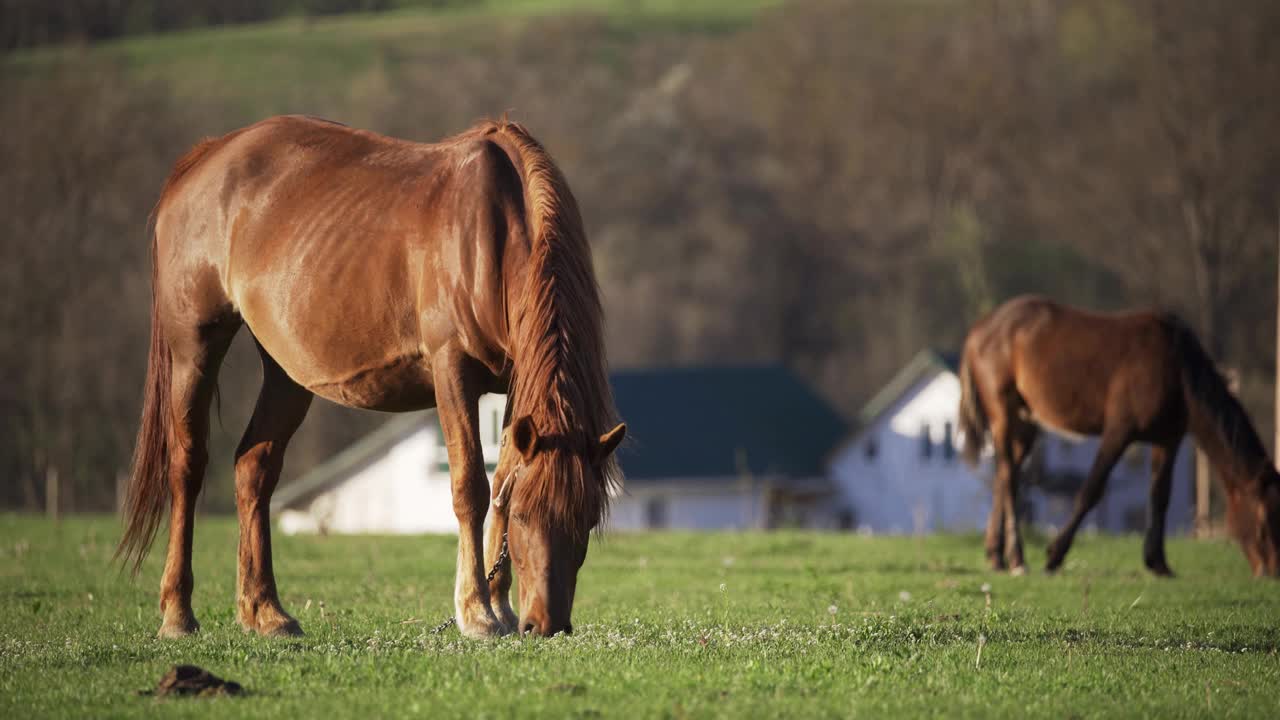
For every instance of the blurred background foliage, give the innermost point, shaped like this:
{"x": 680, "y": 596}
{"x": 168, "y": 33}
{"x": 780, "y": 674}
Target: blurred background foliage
{"x": 829, "y": 185}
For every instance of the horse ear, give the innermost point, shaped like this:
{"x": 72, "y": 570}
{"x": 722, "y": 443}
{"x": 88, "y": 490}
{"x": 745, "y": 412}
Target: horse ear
{"x": 525, "y": 436}
{"x": 609, "y": 441}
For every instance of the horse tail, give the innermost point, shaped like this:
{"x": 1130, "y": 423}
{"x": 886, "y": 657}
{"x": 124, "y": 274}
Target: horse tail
{"x": 148, "y": 492}
{"x": 973, "y": 418}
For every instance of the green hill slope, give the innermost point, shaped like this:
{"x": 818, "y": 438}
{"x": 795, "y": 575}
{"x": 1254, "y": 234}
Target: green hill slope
{"x": 274, "y": 66}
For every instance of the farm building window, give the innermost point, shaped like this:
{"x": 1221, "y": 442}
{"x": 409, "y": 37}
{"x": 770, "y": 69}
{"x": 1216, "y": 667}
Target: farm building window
{"x": 926, "y": 442}
{"x": 655, "y": 513}
{"x": 948, "y": 441}
{"x": 845, "y": 519}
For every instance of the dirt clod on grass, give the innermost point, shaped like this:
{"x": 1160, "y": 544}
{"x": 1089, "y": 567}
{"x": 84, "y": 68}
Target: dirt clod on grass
{"x": 193, "y": 681}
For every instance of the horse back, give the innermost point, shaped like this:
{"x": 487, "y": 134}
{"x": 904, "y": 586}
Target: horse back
{"x": 1078, "y": 371}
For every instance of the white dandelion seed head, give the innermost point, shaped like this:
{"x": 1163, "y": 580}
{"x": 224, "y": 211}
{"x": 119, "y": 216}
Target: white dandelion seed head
{"x": 723, "y": 587}
{"x": 986, "y": 587}
{"x": 904, "y": 596}
{"x": 832, "y": 610}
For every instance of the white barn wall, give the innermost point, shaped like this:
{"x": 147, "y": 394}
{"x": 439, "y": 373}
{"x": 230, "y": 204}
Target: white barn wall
{"x": 406, "y": 489}
{"x": 400, "y": 492}
{"x": 692, "y": 505}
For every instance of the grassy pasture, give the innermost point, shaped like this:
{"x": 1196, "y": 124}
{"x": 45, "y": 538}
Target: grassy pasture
{"x": 298, "y": 64}
{"x": 669, "y": 625}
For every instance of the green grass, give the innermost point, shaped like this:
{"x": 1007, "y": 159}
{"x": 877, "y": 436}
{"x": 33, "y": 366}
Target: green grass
{"x": 297, "y": 64}
{"x": 669, "y": 624}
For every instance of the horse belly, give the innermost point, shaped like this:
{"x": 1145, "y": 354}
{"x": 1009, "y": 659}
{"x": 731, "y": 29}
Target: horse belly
{"x": 403, "y": 385}
{"x": 1076, "y": 431}
{"x": 1070, "y": 408}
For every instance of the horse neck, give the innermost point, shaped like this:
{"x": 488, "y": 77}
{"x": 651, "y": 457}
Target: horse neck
{"x": 1226, "y": 436}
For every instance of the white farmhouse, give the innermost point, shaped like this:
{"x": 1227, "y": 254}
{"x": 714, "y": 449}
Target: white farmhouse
{"x": 902, "y": 471}
{"x": 394, "y": 480}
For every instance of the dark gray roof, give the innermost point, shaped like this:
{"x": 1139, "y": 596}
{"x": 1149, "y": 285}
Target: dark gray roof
{"x": 722, "y": 421}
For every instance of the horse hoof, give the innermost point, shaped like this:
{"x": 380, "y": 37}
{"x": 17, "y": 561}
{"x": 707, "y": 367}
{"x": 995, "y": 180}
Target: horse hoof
{"x": 289, "y": 628}
{"x": 175, "y": 629}
{"x": 1052, "y": 565}
{"x": 1161, "y": 571}
{"x": 1018, "y": 570}
{"x": 509, "y": 622}
{"x": 484, "y": 629}
{"x": 280, "y": 626}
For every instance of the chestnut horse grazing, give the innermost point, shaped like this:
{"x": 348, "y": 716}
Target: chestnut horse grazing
{"x": 1127, "y": 377}
{"x": 388, "y": 275}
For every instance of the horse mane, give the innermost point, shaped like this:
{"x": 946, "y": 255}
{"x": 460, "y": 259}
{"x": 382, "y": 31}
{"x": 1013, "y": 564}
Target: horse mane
{"x": 560, "y": 379}
{"x": 1216, "y": 417}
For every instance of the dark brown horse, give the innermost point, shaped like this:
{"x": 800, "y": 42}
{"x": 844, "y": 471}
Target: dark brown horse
{"x": 1127, "y": 377}
{"x": 388, "y": 275}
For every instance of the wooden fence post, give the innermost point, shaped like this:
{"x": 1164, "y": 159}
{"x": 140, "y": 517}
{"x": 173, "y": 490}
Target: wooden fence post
{"x": 1203, "y": 522}
{"x": 51, "y": 492}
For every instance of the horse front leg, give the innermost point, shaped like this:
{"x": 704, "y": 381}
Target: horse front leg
{"x": 504, "y": 477}
{"x": 1109, "y": 451}
{"x": 1163, "y": 458}
{"x": 458, "y": 392}
{"x": 500, "y": 583}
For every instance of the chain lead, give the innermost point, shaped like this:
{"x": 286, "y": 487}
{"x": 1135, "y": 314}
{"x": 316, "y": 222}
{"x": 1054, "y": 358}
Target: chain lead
{"x": 497, "y": 565}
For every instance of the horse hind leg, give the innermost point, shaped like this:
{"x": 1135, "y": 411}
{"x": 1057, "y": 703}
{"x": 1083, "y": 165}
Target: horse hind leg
{"x": 994, "y": 542}
{"x": 1022, "y": 437}
{"x": 998, "y": 426}
{"x": 197, "y": 356}
{"x": 282, "y": 405}
{"x": 1012, "y": 439}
